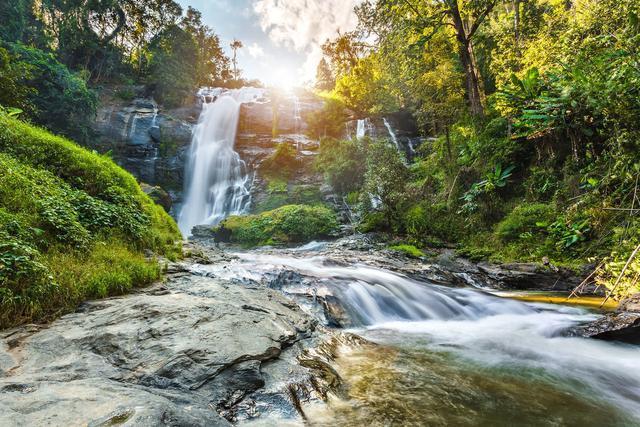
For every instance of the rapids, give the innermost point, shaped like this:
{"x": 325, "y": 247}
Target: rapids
{"x": 496, "y": 346}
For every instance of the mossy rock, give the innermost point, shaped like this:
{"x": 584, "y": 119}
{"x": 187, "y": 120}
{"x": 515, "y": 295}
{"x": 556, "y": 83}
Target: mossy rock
{"x": 285, "y": 225}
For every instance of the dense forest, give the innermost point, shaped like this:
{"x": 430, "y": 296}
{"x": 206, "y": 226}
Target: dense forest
{"x": 534, "y": 106}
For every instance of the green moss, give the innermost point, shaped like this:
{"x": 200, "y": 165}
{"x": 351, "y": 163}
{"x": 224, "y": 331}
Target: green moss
{"x": 279, "y": 194}
{"x": 73, "y": 226}
{"x": 408, "y": 250}
{"x": 287, "y": 224}
{"x": 282, "y": 164}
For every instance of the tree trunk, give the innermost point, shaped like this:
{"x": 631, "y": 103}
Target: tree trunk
{"x": 474, "y": 95}
{"x": 516, "y": 25}
{"x": 448, "y": 141}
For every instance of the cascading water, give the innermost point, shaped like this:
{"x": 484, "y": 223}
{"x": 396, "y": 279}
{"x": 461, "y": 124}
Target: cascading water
{"x": 392, "y": 135}
{"x": 364, "y": 127}
{"x": 361, "y": 129}
{"x": 216, "y": 178}
{"x": 468, "y": 349}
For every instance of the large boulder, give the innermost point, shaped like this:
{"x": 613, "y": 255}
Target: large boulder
{"x": 183, "y": 354}
{"x": 158, "y": 195}
{"x": 622, "y": 325}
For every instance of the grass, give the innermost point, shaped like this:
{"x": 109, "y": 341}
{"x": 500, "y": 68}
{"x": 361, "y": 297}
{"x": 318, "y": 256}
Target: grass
{"x": 73, "y": 226}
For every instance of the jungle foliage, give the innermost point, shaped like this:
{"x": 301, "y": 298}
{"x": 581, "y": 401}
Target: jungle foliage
{"x": 533, "y": 108}
{"x": 73, "y": 226}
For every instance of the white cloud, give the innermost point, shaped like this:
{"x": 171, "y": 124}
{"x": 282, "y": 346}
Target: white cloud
{"x": 255, "y": 50}
{"x": 304, "y": 25}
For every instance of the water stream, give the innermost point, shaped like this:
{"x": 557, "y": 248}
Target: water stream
{"x": 456, "y": 356}
{"x": 216, "y": 181}
{"x": 392, "y": 134}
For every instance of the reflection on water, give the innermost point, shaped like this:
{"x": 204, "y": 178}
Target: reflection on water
{"x": 414, "y": 387}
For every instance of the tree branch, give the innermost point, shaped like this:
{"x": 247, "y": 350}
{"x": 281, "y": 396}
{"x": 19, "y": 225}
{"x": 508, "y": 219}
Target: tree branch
{"x": 480, "y": 18}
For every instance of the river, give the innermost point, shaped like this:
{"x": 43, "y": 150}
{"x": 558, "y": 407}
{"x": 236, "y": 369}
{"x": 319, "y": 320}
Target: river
{"x": 454, "y": 356}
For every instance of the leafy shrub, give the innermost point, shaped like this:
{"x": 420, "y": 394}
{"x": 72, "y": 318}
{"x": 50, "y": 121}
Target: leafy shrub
{"x": 433, "y": 220}
{"x": 526, "y": 218}
{"x": 568, "y": 233}
{"x": 343, "y": 163}
{"x": 385, "y": 181}
{"x": 373, "y": 221}
{"x": 287, "y": 224}
{"x": 328, "y": 122}
{"x": 73, "y": 225}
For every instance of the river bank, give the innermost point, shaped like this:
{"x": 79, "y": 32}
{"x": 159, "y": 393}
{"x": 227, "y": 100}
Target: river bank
{"x": 255, "y": 336}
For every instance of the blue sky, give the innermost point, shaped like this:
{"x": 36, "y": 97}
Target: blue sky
{"x": 282, "y": 38}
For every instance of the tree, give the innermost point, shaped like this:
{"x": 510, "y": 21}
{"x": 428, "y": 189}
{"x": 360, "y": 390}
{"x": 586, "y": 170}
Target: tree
{"x": 324, "y": 77}
{"x": 212, "y": 65}
{"x": 58, "y": 99}
{"x": 344, "y": 52}
{"x": 172, "y": 76}
{"x": 385, "y": 180}
{"x": 235, "y": 45}
{"x": 429, "y": 18}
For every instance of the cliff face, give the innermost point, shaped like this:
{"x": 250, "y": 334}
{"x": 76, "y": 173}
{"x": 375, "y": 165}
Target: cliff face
{"x": 145, "y": 139}
{"x": 153, "y": 143}
{"x": 262, "y": 127}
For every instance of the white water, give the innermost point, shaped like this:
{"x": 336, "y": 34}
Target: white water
{"x": 391, "y": 133}
{"x": 216, "y": 183}
{"x": 361, "y": 129}
{"x": 364, "y": 127}
{"x": 469, "y": 323}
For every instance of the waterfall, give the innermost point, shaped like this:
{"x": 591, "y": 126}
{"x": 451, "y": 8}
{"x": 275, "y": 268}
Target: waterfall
{"x": 391, "y": 133}
{"x": 216, "y": 183}
{"x": 361, "y": 128}
{"x": 365, "y": 127}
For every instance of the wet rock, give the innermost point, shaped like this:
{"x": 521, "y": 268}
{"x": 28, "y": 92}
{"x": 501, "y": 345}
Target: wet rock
{"x": 151, "y": 358}
{"x": 526, "y": 276}
{"x": 631, "y": 304}
{"x": 622, "y": 325}
{"x": 619, "y": 326}
{"x": 334, "y": 313}
{"x": 148, "y": 142}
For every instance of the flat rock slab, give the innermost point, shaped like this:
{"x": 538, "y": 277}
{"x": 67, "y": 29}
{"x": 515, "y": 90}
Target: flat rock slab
{"x": 174, "y": 354}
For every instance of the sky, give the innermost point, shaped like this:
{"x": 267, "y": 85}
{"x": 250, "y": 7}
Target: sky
{"x": 282, "y": 38}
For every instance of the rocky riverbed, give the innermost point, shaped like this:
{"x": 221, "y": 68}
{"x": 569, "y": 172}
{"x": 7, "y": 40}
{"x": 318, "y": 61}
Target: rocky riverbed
{"x": 183, "y": 352}
{"x": 239, "y": 337}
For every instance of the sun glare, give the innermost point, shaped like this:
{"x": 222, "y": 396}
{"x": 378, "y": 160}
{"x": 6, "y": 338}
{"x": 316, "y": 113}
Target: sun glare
{"x": 282, "y": 78}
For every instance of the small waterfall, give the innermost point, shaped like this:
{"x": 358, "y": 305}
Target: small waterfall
{"x": 391, "y": 133}
{"x": 365, "y": 127}
{"x": 216, "y": 182}
{"x": 361, "y": 128}
{"x": 373, "y": 296}
{"x": 296, "y": 120}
